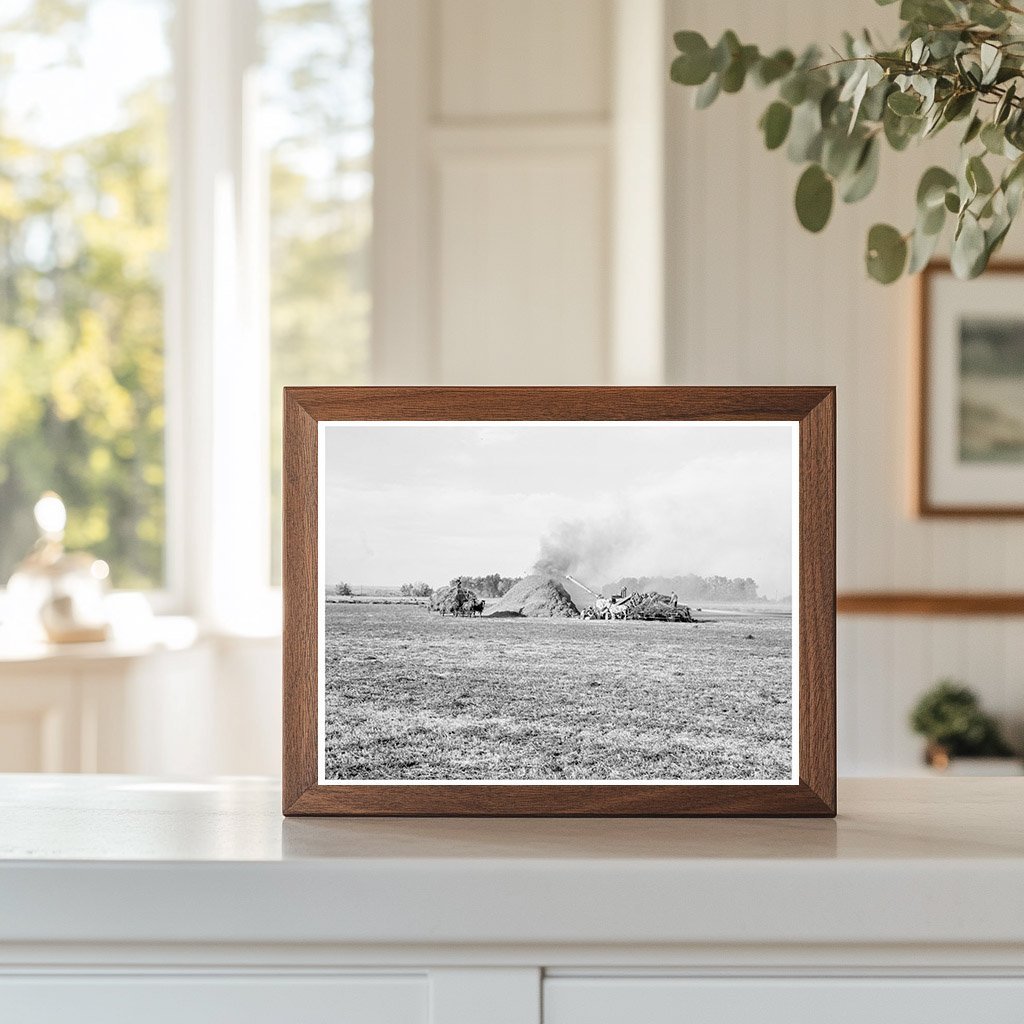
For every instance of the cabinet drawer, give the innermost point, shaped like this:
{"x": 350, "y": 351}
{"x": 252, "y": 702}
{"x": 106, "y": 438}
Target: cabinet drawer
{"x": 782, "y": 1001}
{"x": 202, "y": 999}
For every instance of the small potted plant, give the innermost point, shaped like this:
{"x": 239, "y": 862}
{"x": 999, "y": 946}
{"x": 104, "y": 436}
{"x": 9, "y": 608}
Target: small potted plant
{"x": 950, "y": 718}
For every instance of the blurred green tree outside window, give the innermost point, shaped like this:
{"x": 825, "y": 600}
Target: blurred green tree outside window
{"x": 84, "y": 211}
{"x": 317, "y": 118}
{"x": 83, "y": 237}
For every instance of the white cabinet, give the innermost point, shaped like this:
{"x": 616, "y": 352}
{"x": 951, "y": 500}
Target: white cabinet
{"x": 216, "y": 1000}
{"x": 127, "y": 899}
{"x": 632, "y": 1000}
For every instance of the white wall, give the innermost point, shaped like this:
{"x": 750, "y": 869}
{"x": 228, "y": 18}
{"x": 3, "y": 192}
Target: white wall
{"x": 754, "y": 299}
{"x": 511, "y": 145}
{"x": 501, "y": 137}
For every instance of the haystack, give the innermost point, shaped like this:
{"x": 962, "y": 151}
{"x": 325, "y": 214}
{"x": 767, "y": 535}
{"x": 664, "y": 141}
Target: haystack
{"x": 452, "y": 600}
{"x": 536, "y": 597}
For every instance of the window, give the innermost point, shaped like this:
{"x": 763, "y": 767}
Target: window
{"x": 185, "y": 222}
{"x": 83, "y": 235}
{"x": 317, "y": 87}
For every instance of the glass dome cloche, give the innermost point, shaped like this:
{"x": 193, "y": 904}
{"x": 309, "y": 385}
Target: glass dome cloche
{"x": 57, "y": 595}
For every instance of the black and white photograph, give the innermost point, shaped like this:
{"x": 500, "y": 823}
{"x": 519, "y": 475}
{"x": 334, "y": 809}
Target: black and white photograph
{"x": 558, "y": 602}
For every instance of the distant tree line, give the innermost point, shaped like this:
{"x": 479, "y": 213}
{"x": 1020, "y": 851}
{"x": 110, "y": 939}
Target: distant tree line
{"x": 690, "y": 587}
{"x": 494, "y": 585}
{"x": 416, "y": 590}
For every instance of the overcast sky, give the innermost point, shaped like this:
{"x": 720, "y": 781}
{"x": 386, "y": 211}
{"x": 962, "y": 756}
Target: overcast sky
{"x": 430, "y": 501}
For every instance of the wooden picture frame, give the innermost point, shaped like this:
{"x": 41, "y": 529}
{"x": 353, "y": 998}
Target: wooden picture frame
{"x": 810, "y": 791}
{"x": 939, "y": 490}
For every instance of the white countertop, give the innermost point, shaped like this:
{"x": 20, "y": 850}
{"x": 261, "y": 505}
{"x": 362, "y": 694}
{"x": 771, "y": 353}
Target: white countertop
{"x": 121, "y": 859}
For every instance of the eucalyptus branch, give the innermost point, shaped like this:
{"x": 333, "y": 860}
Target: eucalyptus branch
{"x": 954, "y": 58}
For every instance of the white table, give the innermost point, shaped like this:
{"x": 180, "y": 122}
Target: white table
{"x": 143, "y": 899}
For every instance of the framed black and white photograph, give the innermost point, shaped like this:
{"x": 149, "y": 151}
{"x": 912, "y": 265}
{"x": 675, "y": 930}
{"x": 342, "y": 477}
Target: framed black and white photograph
{"x": 597, "y": 613}
{"x": 971, "y": 393}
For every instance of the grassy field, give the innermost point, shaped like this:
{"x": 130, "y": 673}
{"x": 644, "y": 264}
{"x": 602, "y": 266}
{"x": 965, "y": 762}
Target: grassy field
{"x": 410, "y": 695}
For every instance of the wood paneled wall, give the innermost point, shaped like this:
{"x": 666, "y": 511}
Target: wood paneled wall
{"x": 508, "y": 174}
{"x": 509, "y": 139}
{"x": 752, "y": 298}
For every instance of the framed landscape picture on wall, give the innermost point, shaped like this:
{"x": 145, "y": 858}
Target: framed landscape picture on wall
{"x": 559, "y": 601}
{"x": 970, "y": 450}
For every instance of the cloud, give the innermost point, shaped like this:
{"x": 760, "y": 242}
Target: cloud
{"x": 618, "y": 501}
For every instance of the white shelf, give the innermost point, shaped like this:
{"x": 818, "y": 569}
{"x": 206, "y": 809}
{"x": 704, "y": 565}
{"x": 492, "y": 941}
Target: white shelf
{"x": 124, "y": 860}
{"x": 162, "y": 633}
{"x": 130, "y": 898}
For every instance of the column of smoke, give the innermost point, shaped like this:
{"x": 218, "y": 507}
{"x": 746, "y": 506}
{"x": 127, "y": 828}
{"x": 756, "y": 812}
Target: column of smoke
{"x": 591, "y": 550}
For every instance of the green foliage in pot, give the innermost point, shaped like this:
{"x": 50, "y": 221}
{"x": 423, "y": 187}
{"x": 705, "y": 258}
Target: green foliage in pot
{"x": 950, "y": 717}
{"x": 957, "y": 62}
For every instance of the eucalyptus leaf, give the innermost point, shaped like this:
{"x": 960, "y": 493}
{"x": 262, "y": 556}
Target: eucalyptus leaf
{"x": 931, "y": 190}
{"x": 991, "y": 60}
{"x": 724, "y": 51}
{"x": 689, "y": 42}
{"x": 932, "y": 122}
{"x": 805, "y": 133}
{"x": 944, "y": 44}
{"x": 922, "y": 248}
{"x": 827, "y": 106}
{"x": 900, "y": 130}
{"x": 867, "y": 74}
{"x": 865, "y": 173}
{"x": 775, "y": 122}
{"x": 969, "y": 71}
{"x": 873, "y": 106}
{"x": 930, "y": 12}
{"x": 973, "y": 130}
{"x": 968, "y": 248}
{"x": 814, "y": 195}
{"x": 925, "y": 87}
{"x": 707, "y": 93}
{"x": 957, "y": 106}
{"x": 1005, "y": 105}
{"x": 771, "y": 69}
{"x": 993, "y": 138}
{"x": 904, "y": 103}
{"x": 932, "y": 221}
{"x": 735, "y": 74}
{"x": 1013, "y": 187}
{"x": 987, "y": 15}
{"x": 794, "y": 88}
{"x": 995, "y": 233}
{"x": 978, "y": 176}
{"x": 966, "y": 187}
{"x": 1014, "y": 192}
{"x": 691, "y": 70}
{"x": 886, "y": 253}
{"x": 840, "y": 152}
